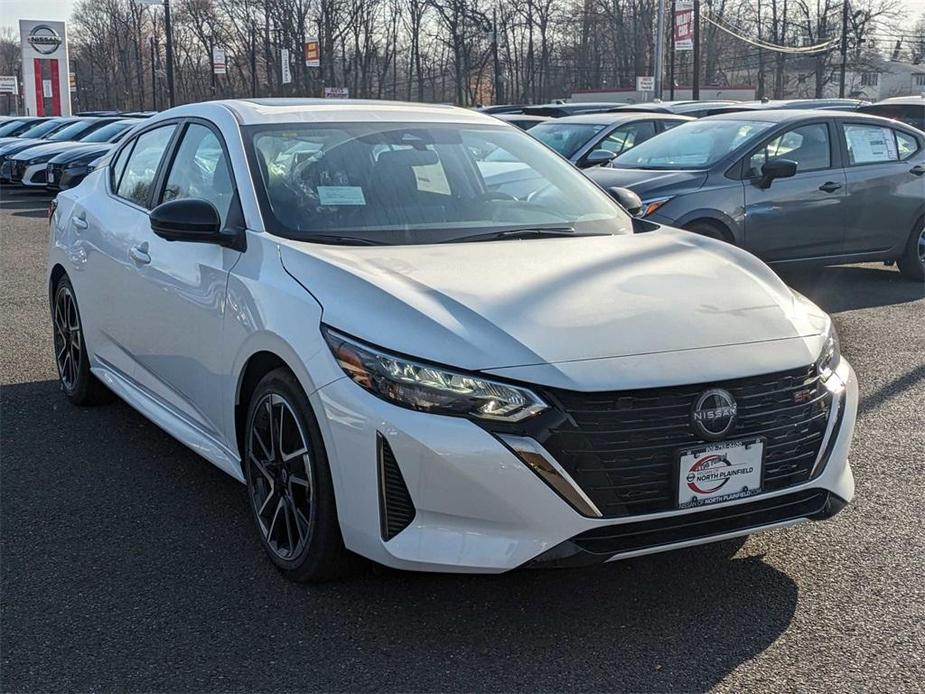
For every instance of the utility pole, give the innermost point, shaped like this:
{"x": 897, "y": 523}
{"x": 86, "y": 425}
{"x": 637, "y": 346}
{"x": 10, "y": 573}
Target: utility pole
{"x": 659, "y": 47}
{"x": 153, "y": 43}
{"x": 169, "y": 48}
{"x": 695, "y": 85}
{"x": 674, "y": 9}
{"x": 844, "y": 49}
{"x": 494, "y": 51}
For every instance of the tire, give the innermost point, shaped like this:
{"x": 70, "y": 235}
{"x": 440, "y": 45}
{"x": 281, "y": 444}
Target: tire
{"x": 289, "y": 483}
{"x": 71, "y": 358}
{"x": 912, "y": 262}
{"x": 707, "y": 229}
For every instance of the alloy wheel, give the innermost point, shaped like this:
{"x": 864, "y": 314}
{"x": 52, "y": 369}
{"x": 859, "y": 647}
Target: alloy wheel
{"x": 68, "y": 352}
{"x": 280, "y": 472}
{"x": 922, "y": 245}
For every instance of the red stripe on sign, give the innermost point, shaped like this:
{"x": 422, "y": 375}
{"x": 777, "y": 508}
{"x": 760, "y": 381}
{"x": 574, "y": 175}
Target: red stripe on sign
{"x": 39, "y": 92}
{"x": 55, "y": 89}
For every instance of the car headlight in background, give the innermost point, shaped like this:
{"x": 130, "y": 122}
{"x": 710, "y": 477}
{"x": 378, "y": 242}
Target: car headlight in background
{"x": 650, "y": 206}
{"x": 430, "y": 388}
{"x": 41, "y": 159}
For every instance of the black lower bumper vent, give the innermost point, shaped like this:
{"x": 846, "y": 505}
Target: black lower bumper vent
{"x": 396, "y": 510}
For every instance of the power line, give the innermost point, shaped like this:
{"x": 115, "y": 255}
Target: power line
{"x": 789, "y": 50}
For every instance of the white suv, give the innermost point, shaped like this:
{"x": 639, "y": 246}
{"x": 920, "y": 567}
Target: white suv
{"x": 436, "y": 358}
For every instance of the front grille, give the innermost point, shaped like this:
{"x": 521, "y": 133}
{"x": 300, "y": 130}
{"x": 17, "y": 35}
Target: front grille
{"x": 622, "y": 448}
{"x": 396, "y": 510}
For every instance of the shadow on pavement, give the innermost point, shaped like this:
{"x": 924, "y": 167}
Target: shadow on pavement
{"x": 851, "y": 287}
{"x": 131, "y": 564}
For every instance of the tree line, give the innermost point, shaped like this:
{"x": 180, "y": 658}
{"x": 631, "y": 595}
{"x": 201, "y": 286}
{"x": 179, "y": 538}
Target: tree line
{"x": 455, "y": 51}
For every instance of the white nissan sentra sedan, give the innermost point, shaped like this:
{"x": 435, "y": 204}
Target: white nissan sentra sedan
{"x": 340, "y": 305}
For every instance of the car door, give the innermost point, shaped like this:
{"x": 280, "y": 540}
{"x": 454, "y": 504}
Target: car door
{"x": 802, "y": 216}
{"x": 105, "y": 224}
{"x": 178, "y": 287}
{"x": 885, "y": 189}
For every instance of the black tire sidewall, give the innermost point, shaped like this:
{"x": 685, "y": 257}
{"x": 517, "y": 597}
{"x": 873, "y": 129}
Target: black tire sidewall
{"x": 910, "y": 264}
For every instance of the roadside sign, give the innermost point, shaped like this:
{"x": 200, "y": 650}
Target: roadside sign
{"x": 336, "y": 93}
{"x": 285, "y": 69}
{"x": 219, "y": 61}
{"x": 645, "y": 83}
{"x": 312, "y": 53}
{"x": 47, "y": 90}
{"x": 684, "y": 25}
{"x": 72, "y": 81}
{"x": 9, "y": 84}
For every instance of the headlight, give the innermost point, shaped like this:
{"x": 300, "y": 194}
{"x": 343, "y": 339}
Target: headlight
{"x": 430, "y": 388}
{"x": 41, "y": 159}
{"x": 830, "y": 356}
{"x": 650, "y": 206}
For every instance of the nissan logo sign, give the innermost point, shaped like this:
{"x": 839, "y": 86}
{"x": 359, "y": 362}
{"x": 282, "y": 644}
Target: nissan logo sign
{"x": 44, "y": 39}
{"x": 714, "y": 414}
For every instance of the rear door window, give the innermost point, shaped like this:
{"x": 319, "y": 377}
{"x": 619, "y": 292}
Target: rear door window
{"x": 870, "y": 144}
{"x": 906, "y": 145}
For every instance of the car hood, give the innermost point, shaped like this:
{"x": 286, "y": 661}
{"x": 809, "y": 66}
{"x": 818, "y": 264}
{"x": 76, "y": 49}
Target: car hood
{"x": 81, "y": 151}
{"x": 499, "y": 304}
{"x": 19, "y": 144}
{"x": 647, "y": 183}
{"x": 42, "y": 147}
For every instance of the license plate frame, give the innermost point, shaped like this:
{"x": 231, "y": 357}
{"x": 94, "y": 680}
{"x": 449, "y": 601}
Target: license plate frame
{"x": 713, "y": 459}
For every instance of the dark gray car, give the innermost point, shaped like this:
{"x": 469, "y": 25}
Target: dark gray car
{"x": 790, "y": 186}
{"x": 594, "y": 139}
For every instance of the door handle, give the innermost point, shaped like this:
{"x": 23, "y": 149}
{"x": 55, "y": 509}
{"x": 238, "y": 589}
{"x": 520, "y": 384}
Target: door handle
{"x": 140, "y": 254}
{"x": 917, "y": 170}
{"x": 79, "y": 222}
{"x": 830, "y": 187}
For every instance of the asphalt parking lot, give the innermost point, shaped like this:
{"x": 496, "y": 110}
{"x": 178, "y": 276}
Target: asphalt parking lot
{"x": 129, "y": 564}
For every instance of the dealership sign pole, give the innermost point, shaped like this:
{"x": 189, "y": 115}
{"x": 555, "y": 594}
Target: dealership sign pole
{"x": 46, "y": 82}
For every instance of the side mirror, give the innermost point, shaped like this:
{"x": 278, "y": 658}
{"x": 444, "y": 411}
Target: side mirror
{"x": 596, "y": 157}
{"x": 776, "y": 168}
{"x": 630, "y": 202}
{"x": 191, "y": 219}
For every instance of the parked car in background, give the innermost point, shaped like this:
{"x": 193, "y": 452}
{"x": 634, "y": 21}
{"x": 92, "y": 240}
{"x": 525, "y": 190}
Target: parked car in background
{"x": 34, "y": 129}
{"x": 790, "y": 104}
{"x": 68, "y": 168}
{"x": 496, "y": 109}
{"x": 521, "y": 120}
{"x": 908, "y": 109}
{"x": 29, "y": 167}
{"x": 594, "y": 139}
{"x": 76, "y": 131}
{"x": 789, "y": 186}
{"x": 336, "y": 308}
{"x": 569, "y": 108}
{"x": 13, "y": 127}
{"x": 694, "y": 109}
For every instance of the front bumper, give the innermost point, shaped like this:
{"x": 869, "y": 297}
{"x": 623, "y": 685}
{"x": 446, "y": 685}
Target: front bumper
{"x": 479, "y": 508}
{"x": 33, "y": 176}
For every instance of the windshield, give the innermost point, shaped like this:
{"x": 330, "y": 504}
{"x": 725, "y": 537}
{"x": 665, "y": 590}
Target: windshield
{"x": 565, "y": 138}
{"x": 72, "y": 132}
{"x": 413, "y": 183}
{"x": 43, "y": 128}
{"x": 10, "y": 127}
{"x": 694, "y": 145}
{"x": 108, "y": 132}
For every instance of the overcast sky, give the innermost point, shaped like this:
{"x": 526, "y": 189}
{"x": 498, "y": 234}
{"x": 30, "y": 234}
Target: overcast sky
{"x": 11, "y": 11}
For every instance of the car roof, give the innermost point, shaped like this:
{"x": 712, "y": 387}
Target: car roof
{"x": 260, "y": 111}
{"x": 787, "y": 115}
{"x": 620, "y": 117}
{"x": 902, "y": 101}
{"x": 521, "y": 117}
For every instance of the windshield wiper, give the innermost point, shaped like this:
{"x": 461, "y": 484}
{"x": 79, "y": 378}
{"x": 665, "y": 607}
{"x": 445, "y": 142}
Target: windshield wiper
{"x": 342, "y": 240}
{"x": 524, "y": 233}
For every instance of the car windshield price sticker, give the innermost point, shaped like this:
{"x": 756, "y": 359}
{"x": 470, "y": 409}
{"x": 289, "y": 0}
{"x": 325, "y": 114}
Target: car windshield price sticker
{"x": 719, "y": 472}
{"x": 341, "y": 195}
